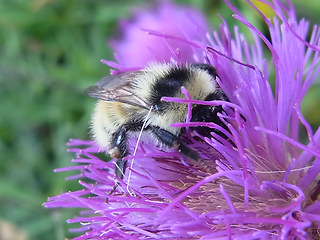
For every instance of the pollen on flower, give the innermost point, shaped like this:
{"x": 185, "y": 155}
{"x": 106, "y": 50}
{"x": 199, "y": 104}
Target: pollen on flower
{"x": 254, "y": 179}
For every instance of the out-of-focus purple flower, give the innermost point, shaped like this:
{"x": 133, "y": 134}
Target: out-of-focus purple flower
{"x": 262, "y": 183}
{"x": 139, "y": 41}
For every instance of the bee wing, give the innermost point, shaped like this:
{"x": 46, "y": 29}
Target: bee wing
{"x": 119, "y": 88}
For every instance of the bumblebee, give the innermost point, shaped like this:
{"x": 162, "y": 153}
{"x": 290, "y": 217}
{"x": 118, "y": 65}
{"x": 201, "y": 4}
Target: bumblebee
{"x": 126, "y": 99}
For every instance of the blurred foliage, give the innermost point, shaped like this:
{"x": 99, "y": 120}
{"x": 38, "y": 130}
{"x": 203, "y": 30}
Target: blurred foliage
{"x": 50, "y": 52}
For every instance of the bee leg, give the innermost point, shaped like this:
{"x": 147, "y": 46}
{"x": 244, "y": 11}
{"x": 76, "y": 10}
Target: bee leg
{"x": 119, "y": 144}
{"x": 120, "y": 149}
{"x": 173, "y": 141}
{"x": 119, "y": 169}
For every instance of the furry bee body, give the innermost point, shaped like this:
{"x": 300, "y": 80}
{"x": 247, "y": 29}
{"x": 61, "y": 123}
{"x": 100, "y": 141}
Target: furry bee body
{"x": 125, "y": 101}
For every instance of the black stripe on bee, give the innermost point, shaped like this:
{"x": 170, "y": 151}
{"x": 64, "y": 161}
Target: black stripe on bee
{"x": 168, "y": 86}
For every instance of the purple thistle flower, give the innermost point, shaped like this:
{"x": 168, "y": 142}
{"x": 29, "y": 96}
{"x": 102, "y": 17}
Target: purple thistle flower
{"x": 262, "y": 183}
{"x": 140, "y": 42}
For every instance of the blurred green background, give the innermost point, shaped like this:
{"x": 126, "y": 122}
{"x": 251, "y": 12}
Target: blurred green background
{"x": 50, "y": 52}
